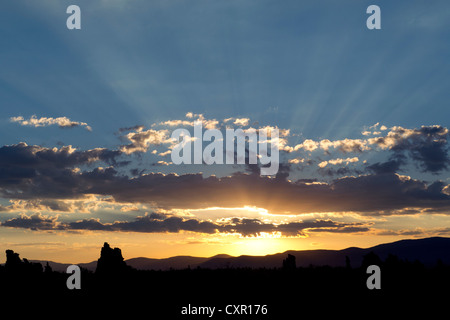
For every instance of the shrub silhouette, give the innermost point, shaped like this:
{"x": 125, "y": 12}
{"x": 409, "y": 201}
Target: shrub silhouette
{"x": 371, "y": 259}
{"x": 289, "y": 263}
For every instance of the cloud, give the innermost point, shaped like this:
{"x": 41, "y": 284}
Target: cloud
{"x": 140, "y": 140}
{"x": 390, "y": 166}
{"x": 41, "y": 205}
{"x": 243, "y": 122}
{"x": 308, "y": 145}
{"x": 345, "y": 145}
{"x": 33, "y": 222}
{"x": 35, "y": 157}
{"x": 296, "y": 160}
{"x": 338, "y": 172}
{"x": 416, "y": 232}
{"x": 251, "y": 227}
{"x": 426, "y": 146}
{"x": 206, "y": 123}
{"x": 34, "y": 171}
{"x": 374, "y": 130}
{"x": 368, "y": 194}
{"x": 162, "y": 163}
{"x": 85, "y": 205}
{"x": 337, "y": 161}
{"x": 177, "y": 123}
{"x": 137, "y": 128}
{"x": 160, "y": 223}
{"x": 62, "y": 122}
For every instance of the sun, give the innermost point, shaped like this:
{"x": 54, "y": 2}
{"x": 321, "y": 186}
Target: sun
{"x": 263, "y": 244}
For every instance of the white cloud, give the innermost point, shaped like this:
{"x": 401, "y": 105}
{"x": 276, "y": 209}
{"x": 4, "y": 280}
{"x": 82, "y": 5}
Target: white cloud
{"x": 141, "y": 140}
{"x": 296, "y": 160}
{"x": 308, "y": 145}
{"x": 238, "y": 121}
{"x": 337, "y": 161}
{"x": 62, "y": 122}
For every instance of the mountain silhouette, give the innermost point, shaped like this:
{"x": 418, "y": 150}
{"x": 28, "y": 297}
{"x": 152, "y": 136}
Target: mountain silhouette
{"x": 288, "y": 283}
{"x": 428, "y": 251}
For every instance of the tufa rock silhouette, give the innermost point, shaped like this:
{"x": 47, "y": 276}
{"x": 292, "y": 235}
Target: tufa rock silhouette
{"x": 110, "y": 261}
{"x": 13, "y": 261}
{"x": 16, "y": 265}
{"x": 289, "y": 263}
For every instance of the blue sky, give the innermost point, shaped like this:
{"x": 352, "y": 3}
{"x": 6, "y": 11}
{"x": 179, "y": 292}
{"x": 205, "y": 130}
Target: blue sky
{"x": 313, "y": 68}
{"x": 310, "y": 67}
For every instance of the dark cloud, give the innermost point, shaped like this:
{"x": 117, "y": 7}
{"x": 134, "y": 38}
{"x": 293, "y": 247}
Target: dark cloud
{"x": 367, "y": 194}
{"x": 333, "y": 172}
{"x": 34, "y": 222}
{"x": 22, "y": 156}
{"x": 248, "y": 227}
{"x": 158, "y": 223}
{"x": 133, "y": 128}
{"x": 428, "y": 145}
{"x": 251, "y": 227}
{"x": 40, "y": 204}
{"x": 370, "y": 194}
{"x": 88, "y": 224}
{"x": 417, "y": 232}
{"x": 390, "y": 166}
{"x": 153, "y": 223}
{"x": 33, "y": 171}
{"x": 321, "y": 226}
{"x": 55, "y": 205}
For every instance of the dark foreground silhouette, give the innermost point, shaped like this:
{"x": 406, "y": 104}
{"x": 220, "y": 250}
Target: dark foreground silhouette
{"x": 288, "y": 291}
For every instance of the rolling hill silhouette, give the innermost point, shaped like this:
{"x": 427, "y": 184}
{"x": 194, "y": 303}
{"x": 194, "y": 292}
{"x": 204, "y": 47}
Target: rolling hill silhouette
{"x": 428, "y": 251}
{"x": 288, "y": 283}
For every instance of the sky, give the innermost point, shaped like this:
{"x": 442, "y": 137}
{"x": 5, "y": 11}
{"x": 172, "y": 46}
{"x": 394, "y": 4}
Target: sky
{"x": 86, "y": 118}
